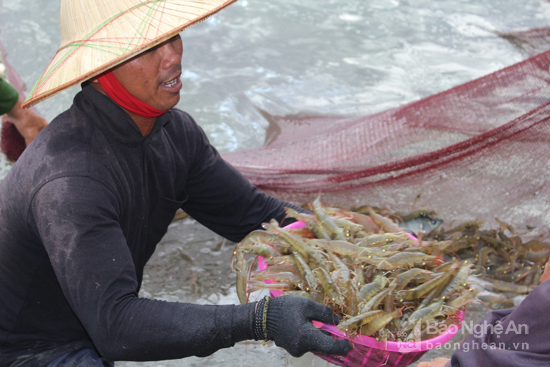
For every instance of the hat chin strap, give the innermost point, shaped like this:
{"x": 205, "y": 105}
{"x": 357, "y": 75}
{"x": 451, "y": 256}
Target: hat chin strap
{"x": 123, "y": 98}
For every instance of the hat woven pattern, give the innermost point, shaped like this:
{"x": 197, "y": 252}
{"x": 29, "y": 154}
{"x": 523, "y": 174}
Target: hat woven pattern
{"x": 97, "y": 35}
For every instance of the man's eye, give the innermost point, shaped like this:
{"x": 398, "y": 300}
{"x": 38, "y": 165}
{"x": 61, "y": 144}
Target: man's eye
{"x": 153, "y": 48}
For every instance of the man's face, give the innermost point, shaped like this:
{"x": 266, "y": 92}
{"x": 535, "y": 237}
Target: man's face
{"x": 154, "y": 76}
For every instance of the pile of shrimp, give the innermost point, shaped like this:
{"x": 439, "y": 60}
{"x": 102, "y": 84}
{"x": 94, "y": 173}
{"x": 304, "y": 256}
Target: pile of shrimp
{"x": 503, "y": 260}
{"x": 506, "y": 262}
{"x": 381, "y": 281}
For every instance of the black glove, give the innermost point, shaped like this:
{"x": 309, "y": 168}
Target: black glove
{"x": 288, "y": 323}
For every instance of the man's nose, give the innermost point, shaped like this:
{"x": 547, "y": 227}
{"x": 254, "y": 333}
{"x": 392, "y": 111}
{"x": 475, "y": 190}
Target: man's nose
{"x": 171, "y": 53}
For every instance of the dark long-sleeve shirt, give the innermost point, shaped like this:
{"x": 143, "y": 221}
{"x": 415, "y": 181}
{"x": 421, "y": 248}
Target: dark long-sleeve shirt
{"x": 81, "y": 213}
{"x": 510, "y": 338}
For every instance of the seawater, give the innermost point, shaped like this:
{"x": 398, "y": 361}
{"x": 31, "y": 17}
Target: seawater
{"x": 318, "y": 57}
{"x": 328, "y": 57}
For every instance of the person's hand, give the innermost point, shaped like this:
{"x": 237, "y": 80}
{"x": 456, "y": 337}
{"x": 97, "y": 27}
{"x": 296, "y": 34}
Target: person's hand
{"x": 289, "y": 326}
{"x": 26, "y": 121}
{"x": 438, "y": 362}
{"x": 546, "y": 274}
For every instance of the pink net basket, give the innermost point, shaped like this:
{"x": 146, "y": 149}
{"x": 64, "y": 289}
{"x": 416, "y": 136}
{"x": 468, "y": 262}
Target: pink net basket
{"x": 368, "y": 351}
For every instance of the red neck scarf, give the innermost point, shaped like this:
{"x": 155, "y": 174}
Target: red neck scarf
{"x": 123, "y": 98}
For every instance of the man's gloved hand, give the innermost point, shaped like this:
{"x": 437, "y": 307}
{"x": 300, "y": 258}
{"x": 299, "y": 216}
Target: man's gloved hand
{"x": 288, "y": 324}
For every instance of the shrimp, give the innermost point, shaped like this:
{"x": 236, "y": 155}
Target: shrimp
{"x": 241, "y": 269}
{"x": 460, "y": 302}
{"x": 326, "y": 221}
{"x": 369, "y": 290}
{"x": 495, "y": 301}
{"x": 536, "y": 245}
{"x": 483, "y": 255}
{"x": 537, "y": 256}
{"x": 401, "y": 280}
{"x": 261, "y": 249}
{"x": 495, "y": 242}
{"x": 386, "y": 224}
{"x": 347, "y": 249}
{"x": 279, "y": 260}
{"x": 262, "y": 237}
{"x": 358, "y": 320}
{"x": 422, "y": 315}
{"x": 341, "y": 274}
{"x": 425, "y": 288}
{"x": 458, "y": 280}
{"x": 509, "y": 287}
{"x": 310, "y": 221}
{"x": 305, "y": 271}
{"x": 368, "y": 224}
{"x": 278, "y": 268}
{"x": 295, "y": 242}
{"x": 505, "y": 226}
{"x": 374, "y": 301}
{"x": 331, "y": 289}
{"x": 379, "y": 322}
{"x": 380, "y": 239}
{"x": 347, "y": 225}
{"x": 404, "y": 258}
{"x": 283, "y": 277}
{"x": 431, "y": 247}
{"x": 343, "y": 248}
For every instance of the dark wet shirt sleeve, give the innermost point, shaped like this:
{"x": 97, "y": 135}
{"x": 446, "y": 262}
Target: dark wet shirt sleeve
{"x": 77, "y": 220}
{"x": 222, "y": 199}
{"x": 513, "y": 337}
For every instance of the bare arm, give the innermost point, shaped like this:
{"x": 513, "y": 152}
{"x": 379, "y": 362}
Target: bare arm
{"x": 27, "y": 121}
{"x": 438, "y": 362}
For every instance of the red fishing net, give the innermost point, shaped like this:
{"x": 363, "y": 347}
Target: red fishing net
{"x": 477, "y": 151}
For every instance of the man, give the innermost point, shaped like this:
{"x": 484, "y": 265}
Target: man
{"x": 85, "y": 205}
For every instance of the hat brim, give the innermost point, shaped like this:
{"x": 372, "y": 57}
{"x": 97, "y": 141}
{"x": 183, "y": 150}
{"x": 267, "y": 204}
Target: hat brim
{"x": 117, "y": 39}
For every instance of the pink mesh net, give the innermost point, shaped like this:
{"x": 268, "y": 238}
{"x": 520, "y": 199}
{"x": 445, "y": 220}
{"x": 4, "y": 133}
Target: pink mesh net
{"x": 477, "y": 151}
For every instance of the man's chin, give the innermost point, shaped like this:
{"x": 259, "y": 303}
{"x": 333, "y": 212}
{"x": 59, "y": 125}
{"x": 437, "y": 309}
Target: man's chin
{"x": 167, "y": 103}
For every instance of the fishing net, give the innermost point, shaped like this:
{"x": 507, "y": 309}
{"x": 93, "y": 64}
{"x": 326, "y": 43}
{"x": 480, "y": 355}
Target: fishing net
{"x": 477, "y": 151}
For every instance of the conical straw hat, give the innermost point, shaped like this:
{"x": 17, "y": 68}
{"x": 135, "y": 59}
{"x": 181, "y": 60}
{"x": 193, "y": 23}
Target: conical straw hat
{"x": 97, "y": 35}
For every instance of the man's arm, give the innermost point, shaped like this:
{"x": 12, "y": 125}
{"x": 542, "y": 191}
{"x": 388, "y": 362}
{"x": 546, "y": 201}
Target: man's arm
{"x": 76, "y": 218}
{"x": 222, "y": 199}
